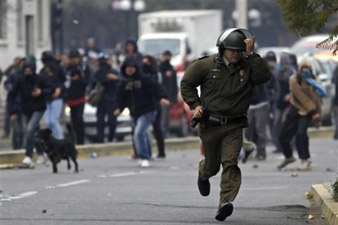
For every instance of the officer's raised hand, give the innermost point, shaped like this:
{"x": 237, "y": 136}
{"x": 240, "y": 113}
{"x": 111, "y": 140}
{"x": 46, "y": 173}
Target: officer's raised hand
{"x": 198, "y": 112}
{"x": 250, "y": 45}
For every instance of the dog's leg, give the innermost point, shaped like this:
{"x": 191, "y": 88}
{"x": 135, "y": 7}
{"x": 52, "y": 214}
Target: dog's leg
{"x": 75, "y": 163}
{"x": 68, "y": 164}
{"x": 55, "y": 169}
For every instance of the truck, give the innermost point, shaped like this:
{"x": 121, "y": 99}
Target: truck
{"x": 186, "y": 33}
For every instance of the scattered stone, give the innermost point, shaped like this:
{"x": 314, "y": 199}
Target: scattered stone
{"x": 44, "y": 211}
{"x": 322, "y": 217}
{"x": 294, "y": 175}
{"x": 309, "y": 195}
{"x": 311, "y": 217}
{"x": 328, "y": 170}
{"x": 255, "y": 166}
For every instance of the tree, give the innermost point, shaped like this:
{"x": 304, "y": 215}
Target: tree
{"x": 308, "y": 16}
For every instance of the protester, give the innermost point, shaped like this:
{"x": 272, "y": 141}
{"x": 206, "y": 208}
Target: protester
{"x": 16, "y": 124}
{"x": 140, "y": 94}
{"x": 131, "y": 50}
{"x": 78, "y": 77}
{"x": 32, "y": 89}
{"x": 305, "y": 106}
{"x": 150, "y": 69}
{"x": 108, "y": 79}
{"x": 169, "y": 82}
{"x": 54, "y": 72}
{"x": 283, "y": 74}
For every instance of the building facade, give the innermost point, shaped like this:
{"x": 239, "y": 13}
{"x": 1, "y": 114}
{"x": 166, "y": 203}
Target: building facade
{"x": 24, "y": 29}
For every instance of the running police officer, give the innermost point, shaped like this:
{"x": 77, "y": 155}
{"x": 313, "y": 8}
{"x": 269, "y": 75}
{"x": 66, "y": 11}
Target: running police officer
{"x": 226, "y": 80}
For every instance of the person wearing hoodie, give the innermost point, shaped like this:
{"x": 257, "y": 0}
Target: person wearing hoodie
{"x": 140, "y": 94}
{"x": 282, "y": 102}
{"x": 33, "y": 90}
{"x": 150, "y": 68}
{"x": 169, "y": 82}
{"x": 305, "y": 106}
{"x": 16, "y": 125}
{"x": 109, "y": 79}
{"x": 131, "y": 50}
{"x": 54, "y": 72}
{"x": 78, "y": 76}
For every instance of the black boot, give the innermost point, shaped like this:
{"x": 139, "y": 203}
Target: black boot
{"x": 224, "y": 210}
{"x": 203, "y": 186}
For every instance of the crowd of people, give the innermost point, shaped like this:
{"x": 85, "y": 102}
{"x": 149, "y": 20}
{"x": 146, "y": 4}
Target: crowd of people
{"x": 147, "y": 86}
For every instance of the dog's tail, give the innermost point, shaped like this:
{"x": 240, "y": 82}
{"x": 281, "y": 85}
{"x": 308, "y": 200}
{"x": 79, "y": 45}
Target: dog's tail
{"x": 70, "y": 133}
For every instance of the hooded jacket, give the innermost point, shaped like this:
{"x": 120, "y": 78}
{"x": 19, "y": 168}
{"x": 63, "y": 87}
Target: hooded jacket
{"x": 110, "y": 86}
{"x": 138, "y": 56}
{"x": 283, "y": 75}
{"x": 23, "y": 87}
{"x": 76, "y": 89}
{"x": 303, "y": 96}
{"x": 57, "y": 78}
{"x": 169, "y": 82}
{"x": 137, "y": 92}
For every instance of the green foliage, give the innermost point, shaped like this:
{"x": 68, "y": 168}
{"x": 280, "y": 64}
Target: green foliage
{"x": 334, "y": 187}
{"x": 308, "y": 16}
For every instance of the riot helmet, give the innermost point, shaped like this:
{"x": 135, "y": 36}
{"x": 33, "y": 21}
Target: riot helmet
{"x": 233, "y": 38}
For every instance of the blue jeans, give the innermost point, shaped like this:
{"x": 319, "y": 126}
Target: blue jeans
{"x": 32, "y": 126}
{"x": 141, "y": 138}
{"x": 52, "y": 117}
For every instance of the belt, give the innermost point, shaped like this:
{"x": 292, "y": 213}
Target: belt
{"x": 224, "y": 119}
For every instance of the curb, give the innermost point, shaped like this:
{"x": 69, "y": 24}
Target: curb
{"x": 323, "y": 199}
{"x": 105, "y": 149}
{"x": 108, "y": 149}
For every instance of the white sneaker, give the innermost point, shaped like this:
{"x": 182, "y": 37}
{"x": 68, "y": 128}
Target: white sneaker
{"x": 145, "y": 163}
{"x": 27, "y": 160}
{"x": 41, "y": 159}
{"x": 139, "y": 162}
{"x": 305, "y": 165}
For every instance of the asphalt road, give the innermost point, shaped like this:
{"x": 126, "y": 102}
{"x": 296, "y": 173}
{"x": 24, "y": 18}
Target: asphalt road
{"x": 113, "y": 190}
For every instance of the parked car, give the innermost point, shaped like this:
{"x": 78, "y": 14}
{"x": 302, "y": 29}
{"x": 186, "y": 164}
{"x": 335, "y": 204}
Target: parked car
{"x": 123, "y": 128}
{"x": 308, "y": 45}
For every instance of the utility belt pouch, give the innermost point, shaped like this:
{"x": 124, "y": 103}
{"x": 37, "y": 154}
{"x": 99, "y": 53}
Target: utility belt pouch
{"x": 214, "y": 120}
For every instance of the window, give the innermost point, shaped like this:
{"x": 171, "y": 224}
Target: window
{"x": 3, "y": 19}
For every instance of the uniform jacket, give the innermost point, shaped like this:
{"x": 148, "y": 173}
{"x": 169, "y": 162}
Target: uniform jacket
{"x": 303, "y": 96}
{"x": 225, "y": 91}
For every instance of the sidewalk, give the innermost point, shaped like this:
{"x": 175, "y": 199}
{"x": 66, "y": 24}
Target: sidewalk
{"x": 323, "y": 199}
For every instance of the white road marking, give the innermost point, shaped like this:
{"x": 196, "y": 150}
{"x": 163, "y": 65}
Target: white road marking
{"x": 123, "y": 174}
{"x": 265, "y": 188}
{"x": 129, "y": 173}
{"x": 73, "y": 183}
{"x": 23, "y": 195}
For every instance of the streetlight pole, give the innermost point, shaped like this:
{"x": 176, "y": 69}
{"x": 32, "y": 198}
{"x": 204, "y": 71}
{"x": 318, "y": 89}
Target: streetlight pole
{"x": 242, "y": 10}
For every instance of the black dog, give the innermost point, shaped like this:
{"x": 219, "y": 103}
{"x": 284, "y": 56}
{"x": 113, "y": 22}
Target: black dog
{"x": 56, "y": 149}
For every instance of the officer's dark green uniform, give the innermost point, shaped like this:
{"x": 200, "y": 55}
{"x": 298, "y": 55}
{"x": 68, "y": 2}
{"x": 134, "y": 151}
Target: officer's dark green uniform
{"x": 226, "y": 94}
